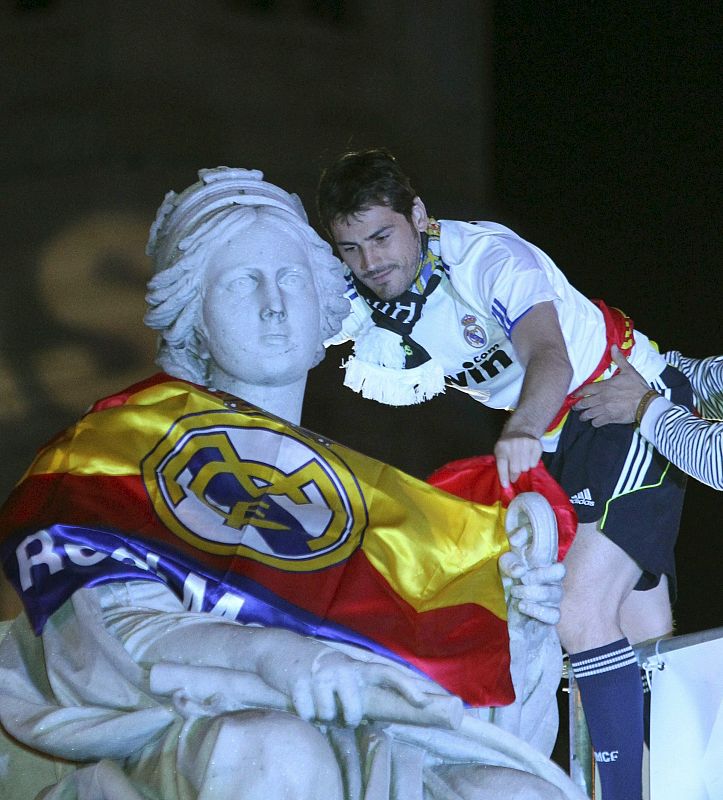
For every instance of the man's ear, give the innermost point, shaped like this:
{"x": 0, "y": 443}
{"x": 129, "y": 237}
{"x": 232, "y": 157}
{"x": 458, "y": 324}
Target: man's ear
{"x": 420, "y": 218}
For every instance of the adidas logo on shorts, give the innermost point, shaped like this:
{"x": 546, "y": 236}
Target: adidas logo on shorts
{"x": 583, "y": 498}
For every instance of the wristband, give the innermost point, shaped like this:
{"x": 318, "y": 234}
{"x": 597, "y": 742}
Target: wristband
{"x": 645, "y": 401}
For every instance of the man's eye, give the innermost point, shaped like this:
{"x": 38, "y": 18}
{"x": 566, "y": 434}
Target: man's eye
{"x": 348, "y": 248}
{"x": 382, "y": 238}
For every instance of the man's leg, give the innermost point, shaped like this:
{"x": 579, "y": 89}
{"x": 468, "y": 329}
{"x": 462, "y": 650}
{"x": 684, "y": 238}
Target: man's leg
{"x": 600, "y": 577}
{"x": 645, "y": 616}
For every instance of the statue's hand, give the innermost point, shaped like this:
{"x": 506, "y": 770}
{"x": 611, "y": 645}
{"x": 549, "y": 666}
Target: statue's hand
{"x": 538, "y": 590}
{"x": 333, "y": 686}
{"x": 338, "y": 685}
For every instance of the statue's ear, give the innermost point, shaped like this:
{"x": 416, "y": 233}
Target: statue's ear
{"x": 202, "y": 344}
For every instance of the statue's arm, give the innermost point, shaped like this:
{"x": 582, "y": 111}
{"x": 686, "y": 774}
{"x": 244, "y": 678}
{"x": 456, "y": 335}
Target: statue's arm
{"x": 533, "y": 580}
{"x": 223, "y": 661}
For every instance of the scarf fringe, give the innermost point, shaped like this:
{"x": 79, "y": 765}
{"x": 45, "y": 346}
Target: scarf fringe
{"x": 380, "y": 346}
{"x": 394, "y": 387}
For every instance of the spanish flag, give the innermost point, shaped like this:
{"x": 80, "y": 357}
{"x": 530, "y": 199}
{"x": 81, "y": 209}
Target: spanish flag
{"x": 246, "y": 516}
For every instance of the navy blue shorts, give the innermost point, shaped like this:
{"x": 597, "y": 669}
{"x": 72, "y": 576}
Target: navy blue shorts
{"x": 613, "y": 475}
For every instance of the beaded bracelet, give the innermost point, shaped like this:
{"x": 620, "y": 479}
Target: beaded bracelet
{"x": 645, "y": 401}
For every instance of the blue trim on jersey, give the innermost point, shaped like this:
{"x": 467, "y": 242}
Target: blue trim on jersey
{"x": 512, "y": 325}
{"x": 499, "y": 312}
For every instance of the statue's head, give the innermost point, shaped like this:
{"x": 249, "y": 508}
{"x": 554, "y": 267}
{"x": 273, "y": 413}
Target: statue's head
{"x": 213, "y": 245}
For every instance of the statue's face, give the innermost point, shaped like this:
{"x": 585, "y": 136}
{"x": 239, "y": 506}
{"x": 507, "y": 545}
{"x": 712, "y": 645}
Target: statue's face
{"x": 260, "y": 308}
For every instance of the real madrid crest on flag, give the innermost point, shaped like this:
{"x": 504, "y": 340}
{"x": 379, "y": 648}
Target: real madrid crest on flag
{"x": 232, "y": 483}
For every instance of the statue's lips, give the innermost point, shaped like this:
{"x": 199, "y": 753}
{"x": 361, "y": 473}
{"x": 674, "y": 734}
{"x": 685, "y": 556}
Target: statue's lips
{"x": 276, "y": 340}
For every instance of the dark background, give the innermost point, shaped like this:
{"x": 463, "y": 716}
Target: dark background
{"x": 607, "y": 154}
{"x": 592, "y": 129}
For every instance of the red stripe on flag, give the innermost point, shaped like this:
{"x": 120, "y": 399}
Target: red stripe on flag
{"x": 476, "y": 479}
{"x": 465, "y": 648}
{"x": 119, "y": 399}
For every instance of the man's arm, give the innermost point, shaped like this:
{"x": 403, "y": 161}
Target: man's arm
{"x": 706, "y": 378}
{"x": 540, "y": 346}
{"x": 617, "y": 399}
{"x": 692, "y": 444}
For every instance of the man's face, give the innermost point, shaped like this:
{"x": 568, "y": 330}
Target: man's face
{"x": 260, "y": 313}
{"x": 382, "y": 247}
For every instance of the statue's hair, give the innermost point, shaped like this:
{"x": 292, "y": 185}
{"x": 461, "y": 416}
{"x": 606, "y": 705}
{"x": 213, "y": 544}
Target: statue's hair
{"x": 186, "y": 232}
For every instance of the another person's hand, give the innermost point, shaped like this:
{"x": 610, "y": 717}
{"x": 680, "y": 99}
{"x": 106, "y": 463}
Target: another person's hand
{"x": 516, "y": 453}
{"x": 615, "y": 400}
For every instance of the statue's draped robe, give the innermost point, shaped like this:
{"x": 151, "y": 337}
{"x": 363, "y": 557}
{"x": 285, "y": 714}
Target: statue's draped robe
{"x": 79, "y": 694}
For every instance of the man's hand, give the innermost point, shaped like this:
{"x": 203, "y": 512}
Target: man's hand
{"x": 614, "y": 400}
{"x": 516, "y": 453}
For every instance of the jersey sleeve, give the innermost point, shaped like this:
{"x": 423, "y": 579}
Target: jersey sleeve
{"x": 511, "y": 280}
{"x": 503, "y": 275}
{"x": 694, "y": 445}
{"x": 511, "y": 288}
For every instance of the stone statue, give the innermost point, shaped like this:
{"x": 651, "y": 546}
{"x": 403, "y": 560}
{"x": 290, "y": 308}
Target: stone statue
{"x": 128, "y": 694}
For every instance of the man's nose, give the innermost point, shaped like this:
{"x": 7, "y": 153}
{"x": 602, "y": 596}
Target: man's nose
{"x": 369, "y": 258}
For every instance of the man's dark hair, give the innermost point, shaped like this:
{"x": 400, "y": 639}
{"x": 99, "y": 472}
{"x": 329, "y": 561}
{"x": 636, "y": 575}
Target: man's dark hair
{"x": 360, "y": 179}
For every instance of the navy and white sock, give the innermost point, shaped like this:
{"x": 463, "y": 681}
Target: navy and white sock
{"x": 646, "y": 705}
{"x": 612, "y": 698}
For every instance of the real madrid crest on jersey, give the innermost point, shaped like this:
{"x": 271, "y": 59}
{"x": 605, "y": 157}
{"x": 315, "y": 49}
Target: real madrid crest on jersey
{"x": 245, "y": 484}
{"x": 474, "y": 334}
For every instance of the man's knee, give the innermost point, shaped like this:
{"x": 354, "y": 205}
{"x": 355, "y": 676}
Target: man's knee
{"x": 588, "y": 619}
{"x": 647, "y": 614}
{"x": 599, "y": 577}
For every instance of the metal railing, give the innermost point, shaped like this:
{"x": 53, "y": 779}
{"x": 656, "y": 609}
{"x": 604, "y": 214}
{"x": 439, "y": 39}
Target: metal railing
{"x": 582, "y": 761}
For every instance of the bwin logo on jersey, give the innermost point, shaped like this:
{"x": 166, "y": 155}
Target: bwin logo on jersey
{"x": 237, "y": 485}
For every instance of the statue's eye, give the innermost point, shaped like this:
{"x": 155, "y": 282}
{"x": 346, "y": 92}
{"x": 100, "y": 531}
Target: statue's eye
{"x": 293, "y": 279}
{"x": 241, "y": 284}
